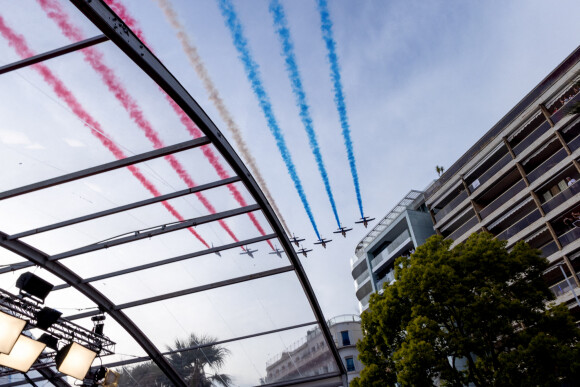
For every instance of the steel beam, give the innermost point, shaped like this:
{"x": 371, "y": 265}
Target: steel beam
{"x": 172, "y": 260}
{"x": 126, "y": 207}
{"x": 184, "y": 292}
{"x": 138, "y": 235}
{"x": 53, "y": 54}
{"x": 106, "y": 167}
{"x": 41, "y": 259}
{"x": 111, "y": 25}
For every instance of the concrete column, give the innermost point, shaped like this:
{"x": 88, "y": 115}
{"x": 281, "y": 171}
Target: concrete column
{"x": 537, "y": 201}
{"x": 509, "y": 148}
{"x": 547, "y": 114}
{"x": 563, "y": 142}
{"x": 523, "y": 173}
{"x": 554, "y": 236}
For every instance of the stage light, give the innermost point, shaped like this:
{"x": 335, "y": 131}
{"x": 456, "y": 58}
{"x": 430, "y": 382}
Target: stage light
{"x": 107, "y": 378}
{"x": 49, "y": 340}
{"x": 74, "y": 360}
{"x": 33, "y": 286}
{"x": 10, "y": 328}
{"x": 23, "y": 354}
{"x": 46, "y": 317}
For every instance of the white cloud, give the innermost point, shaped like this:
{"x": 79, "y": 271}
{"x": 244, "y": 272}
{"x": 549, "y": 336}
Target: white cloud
{"x": 13, "y": 137}
{"x": 74, "y": 143}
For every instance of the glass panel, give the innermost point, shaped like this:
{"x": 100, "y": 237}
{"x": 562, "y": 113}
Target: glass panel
{"x": 548, "y": 249}
{"x": 361, "y": 278}
{"x": 531, "y": 138}
{"x": 563, "y": 287}
{"x": 569, "y": 237}
{"x": 451, "y": 205}
{"x": 520, "y": 225}
{"x": 547, "y": 165}
{"x": 563, "y": 111}
{"x": 502, "y": 199}
{"x": 388, "y": 253}
{"x": 463, "y": 228}
{"x": 490, "y": 172}
{"x": 561, "y": 198}
{"x": 574, "y": 144}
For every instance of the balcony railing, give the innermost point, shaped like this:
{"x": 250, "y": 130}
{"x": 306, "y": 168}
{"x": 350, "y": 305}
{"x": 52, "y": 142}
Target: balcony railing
{"x": 561, "y": 113}
{"x": 519, "y": 226}
{"x": 450, "y": 206}
{"x": 485, "y": 176}
{"x": 388, "y": 279}
{"x": 360, "y": 279}
{"x": 549, "y": 249}
{"x": 387, "y": 253}
{"x": 507, "y": 195}
{"x": 561, "y": 198}
{"x": 569, "y": 237}
{"x": 574, "y": 144}
{"x": 463, "y": 228}
{"x": 563, "y": 287}
{"x": 526, "y": 142}
{"x": 547, "y": 165}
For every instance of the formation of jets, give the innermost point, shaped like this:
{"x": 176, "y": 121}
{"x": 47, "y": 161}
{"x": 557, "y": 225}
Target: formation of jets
{"x": 296, "y": 240}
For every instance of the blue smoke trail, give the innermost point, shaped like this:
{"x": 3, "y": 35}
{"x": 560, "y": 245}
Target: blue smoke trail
{"x": 253, "y": 73}
{"x": 326, "y": 27}
{"x": 281, "y": 27}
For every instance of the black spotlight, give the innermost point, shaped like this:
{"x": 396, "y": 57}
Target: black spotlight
{"x": 99, "y": 324}
{"x": 49, "y": 340}
{"x": 33, "y": 286}
{"x": 46, "y": 317}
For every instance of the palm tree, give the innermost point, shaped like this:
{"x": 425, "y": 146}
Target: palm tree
{"x": 198, "y": 366}
{"x": 439, "y": 170}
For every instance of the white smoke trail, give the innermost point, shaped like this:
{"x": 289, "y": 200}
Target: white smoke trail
{"x": 191, "y": 51}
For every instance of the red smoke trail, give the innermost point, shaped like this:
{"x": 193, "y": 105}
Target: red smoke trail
{"x": 95, "y": 59}
{"x": 19, "y": 44}
{"x": 185, "y": 120}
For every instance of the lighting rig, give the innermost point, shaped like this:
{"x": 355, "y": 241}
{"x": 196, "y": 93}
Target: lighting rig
{"x": 20, "y": 353}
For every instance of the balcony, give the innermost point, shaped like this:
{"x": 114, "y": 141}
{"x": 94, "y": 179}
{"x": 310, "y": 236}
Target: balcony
{"x": 495, "y": 168}
{"x": 361, "y": 278}
{"x": 519, "y": 226}
{"x": 390, "y": 277}
{"x": 526, "y": 142}
{"x": 547, "y": 165}
{"x": 451, "y": 206}
{"x": 569, "y": 237}
{"x": 549, "y": 249}
{"x": 389, "y": 251}
{"x": 561, "y": 198}
{"x": 502, "y": 199}
{"x": 574, "y": 144}
{"x": 563, "y": 111}
{"x": 463, "y": 228}
{"x": 563, "y": 287}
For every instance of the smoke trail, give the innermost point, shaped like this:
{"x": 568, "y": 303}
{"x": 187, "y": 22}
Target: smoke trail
{"x": 326, "y": 27}
{"x": 214, "y": 96}
{"x": 281, "y": 27}
{"x": 185, "y": 120}
{"x": 95, "y": 59}
{"x": 253, "y": 74}
{"x": 19, "y": 44}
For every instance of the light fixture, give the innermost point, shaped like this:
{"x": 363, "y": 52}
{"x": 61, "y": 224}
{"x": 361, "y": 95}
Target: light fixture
{"x": 106, "y": 377}
{"x": 10, "y": 328}
{"x": 46, "y": 317}
{"x": 23, "y": 354}
{"x": 74, "y": 360}
{"x": 50, "y": 341}
{"x": 33, "y": 286}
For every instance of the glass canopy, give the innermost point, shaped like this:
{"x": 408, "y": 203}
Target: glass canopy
{"x": 118, "y": 189}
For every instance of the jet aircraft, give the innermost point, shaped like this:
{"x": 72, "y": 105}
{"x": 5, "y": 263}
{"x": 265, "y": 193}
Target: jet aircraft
{"x": 277, "y": 251}
{"x": 248, "y": 251}
{"x": 342, "y": 230}
{"x": 304, "y": 252}
{"x": 296, "y": 241}
{"x": 365, "y": 221}
{"x": 323, "y": 242}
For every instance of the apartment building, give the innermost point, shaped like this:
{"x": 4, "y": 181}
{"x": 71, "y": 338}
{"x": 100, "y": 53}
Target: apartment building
{"x": 519, "y": 181}
{"x": 404, "y": 228}
{"x": 310, "y": 356}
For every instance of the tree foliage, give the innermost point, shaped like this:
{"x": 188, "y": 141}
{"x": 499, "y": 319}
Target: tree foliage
{"x": 474, "y": 314}
{"x": 198, "y": 367}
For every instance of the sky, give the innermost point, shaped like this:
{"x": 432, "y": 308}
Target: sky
{"x": 422, "y": 81}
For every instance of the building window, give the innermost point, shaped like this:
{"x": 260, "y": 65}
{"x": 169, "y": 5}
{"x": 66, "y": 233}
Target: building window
{"x": 345, "y": 338}
{"x": 349, "y": 363}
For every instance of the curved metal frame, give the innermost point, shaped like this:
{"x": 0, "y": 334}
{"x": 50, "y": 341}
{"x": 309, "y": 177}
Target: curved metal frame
{"x": 117, "y": 32}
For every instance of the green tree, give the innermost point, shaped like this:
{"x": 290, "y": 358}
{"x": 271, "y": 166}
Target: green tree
{"x": 475, "y": 314}
{"x": 198, "y": 367}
